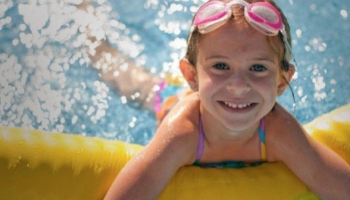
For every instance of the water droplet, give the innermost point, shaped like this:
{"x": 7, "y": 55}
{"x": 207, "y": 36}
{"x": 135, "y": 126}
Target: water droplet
{"x": 344, "y": 14}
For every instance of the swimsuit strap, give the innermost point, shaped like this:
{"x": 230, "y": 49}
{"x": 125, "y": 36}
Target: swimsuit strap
{"x": 263, "y": 154}
{"x": 262, "y": 141}
{"x": 201, "y": 141}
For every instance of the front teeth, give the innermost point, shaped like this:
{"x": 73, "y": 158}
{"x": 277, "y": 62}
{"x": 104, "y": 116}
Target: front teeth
{"x": 232, "y": 105}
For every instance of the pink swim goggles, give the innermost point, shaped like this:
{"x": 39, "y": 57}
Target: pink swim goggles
{"x": 260, "y": 15}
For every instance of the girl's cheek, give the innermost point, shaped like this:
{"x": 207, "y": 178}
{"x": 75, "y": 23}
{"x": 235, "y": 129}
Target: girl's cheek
{"x": 267, "y": 85}
{"x": 207, "y": 79}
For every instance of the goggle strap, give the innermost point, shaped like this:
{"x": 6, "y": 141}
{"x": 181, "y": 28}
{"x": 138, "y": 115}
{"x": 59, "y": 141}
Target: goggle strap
{"x": 191, "y": 32}
{"x": 291, "y": 53}
{"x": 288, "y": 54}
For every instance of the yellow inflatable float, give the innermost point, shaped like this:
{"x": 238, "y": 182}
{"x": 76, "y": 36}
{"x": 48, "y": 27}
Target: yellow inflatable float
{"x": 37, "y": 165}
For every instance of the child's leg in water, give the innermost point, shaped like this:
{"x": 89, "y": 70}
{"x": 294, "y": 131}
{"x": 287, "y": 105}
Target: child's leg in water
{"x": 132, "y": 81}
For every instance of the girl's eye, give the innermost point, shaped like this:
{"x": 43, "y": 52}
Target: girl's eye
{"x": 221, "y": 66}
{"x": 258, "y": 68}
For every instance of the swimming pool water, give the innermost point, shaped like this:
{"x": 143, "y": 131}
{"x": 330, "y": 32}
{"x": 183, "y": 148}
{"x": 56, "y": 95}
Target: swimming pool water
{"x": 48, "y": 83}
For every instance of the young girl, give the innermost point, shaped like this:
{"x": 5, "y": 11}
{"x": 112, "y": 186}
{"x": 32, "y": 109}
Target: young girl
{"x": 237, "y": 63}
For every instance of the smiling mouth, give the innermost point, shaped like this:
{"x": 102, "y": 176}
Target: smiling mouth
{"x": 236, "y": 106}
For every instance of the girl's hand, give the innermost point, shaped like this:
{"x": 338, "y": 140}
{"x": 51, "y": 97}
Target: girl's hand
{"x": 173, "y": 146}
{"x": 321, "y": 169}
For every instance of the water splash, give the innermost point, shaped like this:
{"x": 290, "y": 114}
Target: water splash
{"x": 47, "y": 80}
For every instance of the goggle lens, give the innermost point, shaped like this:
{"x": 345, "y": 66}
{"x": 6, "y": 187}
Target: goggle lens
{"x": 265, "y": 13}
{"x": 211, "y": 11}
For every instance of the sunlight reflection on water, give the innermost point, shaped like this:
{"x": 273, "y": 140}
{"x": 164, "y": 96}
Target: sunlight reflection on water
{"x": 47, "y": 81}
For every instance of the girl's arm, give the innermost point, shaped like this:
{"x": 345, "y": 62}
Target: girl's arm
{"x": 321, "y": 169}
{"x": 173, "y": 146}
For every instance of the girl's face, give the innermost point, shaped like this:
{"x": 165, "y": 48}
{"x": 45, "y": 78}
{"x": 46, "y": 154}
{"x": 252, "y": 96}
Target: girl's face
{"x": 237, "y": 76}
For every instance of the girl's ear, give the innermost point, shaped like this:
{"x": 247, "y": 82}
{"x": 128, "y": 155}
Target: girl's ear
{"x": 285, "y": 79}
{"x": 190, "y": 73}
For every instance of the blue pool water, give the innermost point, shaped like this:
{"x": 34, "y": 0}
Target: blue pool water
{"x": 48, "y": 83}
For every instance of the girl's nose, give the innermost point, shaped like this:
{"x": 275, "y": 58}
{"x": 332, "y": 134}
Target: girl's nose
{"x": 238, "y": 84}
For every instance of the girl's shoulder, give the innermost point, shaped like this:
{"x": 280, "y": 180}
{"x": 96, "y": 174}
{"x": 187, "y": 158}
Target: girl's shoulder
{"x": 184, "y": 114}
{"x": 180, "y": 127}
